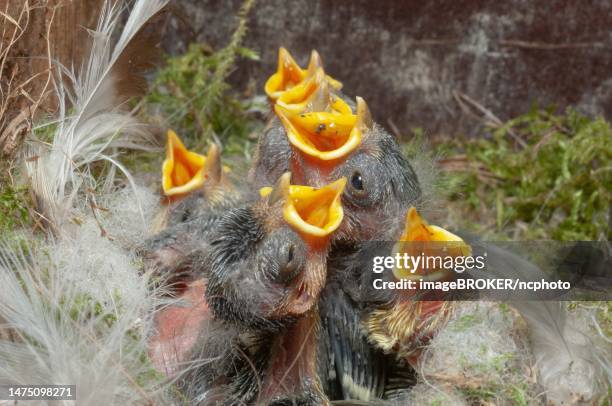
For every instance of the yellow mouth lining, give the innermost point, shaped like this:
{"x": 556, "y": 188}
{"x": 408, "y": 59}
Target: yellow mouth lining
{"x": 297, "y": 97}
{"x": 185, "y": 171}
{"x": 326, "y": 135}
{"x": 182, "y": 169}
{"x": 418, "y": 230}
{"x": 289, "y": 74}
{"x": 312, "y": 94}
{"x": 311, "y": 211}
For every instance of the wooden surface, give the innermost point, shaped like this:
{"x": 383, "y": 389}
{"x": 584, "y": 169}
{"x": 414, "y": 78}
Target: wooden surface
{"x": 55, "y": 27}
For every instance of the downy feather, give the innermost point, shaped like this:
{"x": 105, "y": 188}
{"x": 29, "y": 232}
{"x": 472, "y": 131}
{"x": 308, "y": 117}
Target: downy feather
{"x": 573, "y": 365}
{"x": 77, "y": 309}
{"x": 92, "y": 120}
{"x": 73, "y": 301}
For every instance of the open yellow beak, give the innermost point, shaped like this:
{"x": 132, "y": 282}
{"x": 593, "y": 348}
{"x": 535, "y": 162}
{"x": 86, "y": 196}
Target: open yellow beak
{"x": 326, "y": 135}
{"x": 414, "y": 241}
{"x": 312, "y": 94}
{"x": 184, "y": 171}
{"x": 310, "y": 211}
{"x": 289, "y": 74}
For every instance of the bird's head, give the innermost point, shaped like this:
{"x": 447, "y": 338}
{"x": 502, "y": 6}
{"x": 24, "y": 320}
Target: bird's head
{"x": 268, "y": 260}
{"x": 185, "y": 172}
{"x": 405, "y": 319}
{"x": 289, "y": 74}
{"x": 319, "y": 124}
{"x": 319, "y": 135}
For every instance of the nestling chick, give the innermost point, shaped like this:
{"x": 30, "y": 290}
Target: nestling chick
{"x": 386, "y": 328}
{"x": 267, "y": 267}
{"x": 318, "y": 138}
{"x": 197, "y": 192}
{"x": 295, "y": 221}
{"x": 405, "y": 324}
{"x": 193, "y": 183}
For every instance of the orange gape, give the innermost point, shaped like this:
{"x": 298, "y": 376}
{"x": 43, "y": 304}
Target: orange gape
{"x": 289, "y": 74}
{"x": 185, "y": 171}
{"x": 318, "y": 123}
{"x": 312, "y": 212}
{"x": 182, "y": 170}
{"x": 408, "y": 323}
{"x": 420, "y": 237}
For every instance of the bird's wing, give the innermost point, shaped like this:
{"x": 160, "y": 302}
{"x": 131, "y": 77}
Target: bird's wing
{"x": 358, "y": 368}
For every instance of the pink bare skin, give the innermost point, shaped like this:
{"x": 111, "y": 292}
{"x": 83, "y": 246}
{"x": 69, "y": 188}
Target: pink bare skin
{"x": 177, "y": 328}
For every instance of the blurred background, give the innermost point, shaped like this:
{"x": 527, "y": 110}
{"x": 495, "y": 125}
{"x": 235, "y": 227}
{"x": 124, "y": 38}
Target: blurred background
{"x": 419, "y": 63}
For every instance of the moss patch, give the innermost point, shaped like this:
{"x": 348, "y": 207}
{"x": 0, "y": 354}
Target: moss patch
{"x": 557, "y": 186}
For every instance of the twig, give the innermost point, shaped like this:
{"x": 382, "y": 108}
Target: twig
{"x": 467, "y": 104}
{"x": 12, "y": 129}
{"x": 543, "y": 140}
{"x": 432, "y": 41}
{"x": 394, "y": 129}
{"x": 549, "y": 46}
{"x": 50, "y": 60}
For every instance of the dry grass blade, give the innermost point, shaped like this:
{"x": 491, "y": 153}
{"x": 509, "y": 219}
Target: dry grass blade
{"x": 461, "y": 163}
{"x": 14, "y": 123}
{"x": 18, "y": 106}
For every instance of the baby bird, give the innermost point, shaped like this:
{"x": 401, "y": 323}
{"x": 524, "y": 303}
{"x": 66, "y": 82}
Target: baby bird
{"x": 197, "y": 192}
{"x": 406, "y": 324}
{"x": 386, "y": 328}
{"x": 316, "y": 136}
{"x": 266, "y": 267}
{"x": 192, "y": 183}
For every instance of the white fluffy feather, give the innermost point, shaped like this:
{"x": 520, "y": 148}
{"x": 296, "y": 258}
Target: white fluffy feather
{"x": 81, "y": 311}
{"x": 573, "y": 366}
{"x": 96, "y": 124}
{"x": 77, "y": 309}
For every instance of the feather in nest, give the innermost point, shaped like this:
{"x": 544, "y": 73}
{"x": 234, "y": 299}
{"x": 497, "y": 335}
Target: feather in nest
{"x": 66, "y": 330}
{"x": 39, "y": 292}
{"x": 74, "y": 304}
{"x": 573, "y": 362}
{"x": 93, "y": 120}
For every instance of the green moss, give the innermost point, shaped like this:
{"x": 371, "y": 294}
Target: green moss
{"x": 480, "y": 394}
{"x": 149, "y": 162}
{"x": 191, "y": 92}
{"x": 46, "y": 131}
{"x": 602, "y": 311}
{"x": 556, "y": 187}
{"x": 501, "y": 362}
{"x": 465, "y": 322}
{"x": 518, "y": 395}
{"x": 436, "y": 402}
{"x": 13, "y": 208}
{"x": 84, "y": 307}
{"x": 505, "y": 309}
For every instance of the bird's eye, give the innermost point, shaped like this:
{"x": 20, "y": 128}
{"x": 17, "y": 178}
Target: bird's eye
{"x": 357, "y": 181}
